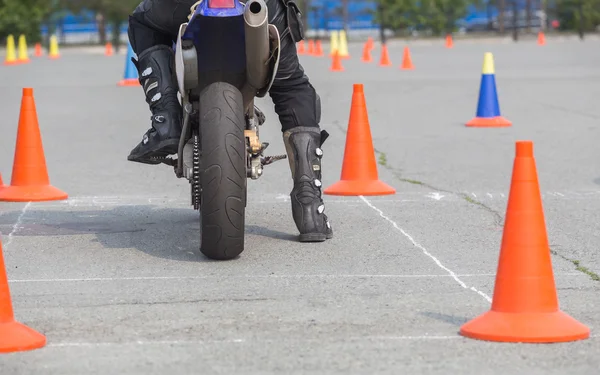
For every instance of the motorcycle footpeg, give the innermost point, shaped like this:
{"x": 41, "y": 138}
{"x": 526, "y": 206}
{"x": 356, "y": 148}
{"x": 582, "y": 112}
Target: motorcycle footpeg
{"x": 272, "y": 159}
{"x": 260, "y": 116}
{"x": 164, "y": 160}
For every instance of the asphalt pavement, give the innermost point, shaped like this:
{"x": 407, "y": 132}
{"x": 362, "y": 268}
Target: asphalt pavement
{"x": 113, "y": 278}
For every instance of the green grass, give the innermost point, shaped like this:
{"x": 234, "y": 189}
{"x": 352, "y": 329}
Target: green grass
{"x": 383, "y": 159}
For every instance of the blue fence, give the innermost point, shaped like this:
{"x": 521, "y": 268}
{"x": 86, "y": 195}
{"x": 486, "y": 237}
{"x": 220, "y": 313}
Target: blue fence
{"x": 322, "y": 15}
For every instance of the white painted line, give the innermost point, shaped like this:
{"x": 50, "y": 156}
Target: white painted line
{"x": 111, "y": 201}
{"x": 149, "y": 278}
{"x": 417, "y": 245}
{"x": 315, "y": 276}
{"x": 17, "y": 225}
{"x": 436, "y": 196}
{"x": 253, "y": 341}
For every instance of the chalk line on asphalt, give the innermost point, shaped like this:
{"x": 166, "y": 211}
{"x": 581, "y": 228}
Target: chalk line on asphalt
{"x": 305, "y": 276}
{"x": 417, "y": 245}
{"x": 15, "y": 227}
{"x": 253, "y": 341}
{"x": 280, "y": 198}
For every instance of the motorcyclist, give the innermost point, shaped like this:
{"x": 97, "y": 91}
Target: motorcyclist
{"x": 153, "y": 27}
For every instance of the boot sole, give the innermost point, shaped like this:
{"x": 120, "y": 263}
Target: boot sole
{"x": 164, "y": 149}
{"x": 315, "y": 237}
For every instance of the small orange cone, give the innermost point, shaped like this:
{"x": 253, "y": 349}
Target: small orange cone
{"x": 407, "y": 60}
{"x": 108, "y": 49}
{"x": 366, "y": 57}
{"x": 300, "y": 47}
{"x": 311, "y": 47}
{"x": 525, "y": 305}
{"x": 385, "y": 58}
{"x": 38, "y": 50}
{"x": 370, "y": 44}
{"x": 449, "y": 42}
{"x": 336, "y": 63}
{"x": 541, "y": 39}
{"x": 318, "y": 49}
{"x": 14, "y": 336}
{"x": 359, "y": 170}
{"x": 2, "y": 186}
{"x": 30, "y": 181}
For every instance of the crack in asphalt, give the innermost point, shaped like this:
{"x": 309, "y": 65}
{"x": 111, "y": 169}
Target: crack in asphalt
{"x": 496, "y": 216}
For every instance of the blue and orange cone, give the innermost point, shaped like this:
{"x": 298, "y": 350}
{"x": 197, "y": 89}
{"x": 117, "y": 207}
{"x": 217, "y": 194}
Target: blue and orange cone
{"x": 488, "y": 109}
{"x": 130, "y": 78}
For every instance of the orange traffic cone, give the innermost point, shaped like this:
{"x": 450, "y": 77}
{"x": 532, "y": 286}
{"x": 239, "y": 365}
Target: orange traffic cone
{"x": 407, "y": 60}
{"x": 359, "y": 170}
{"x": 30, "y": 180}
{"x": 449, "y": 42}
{"x": 541, "y": 39}
{"x": 14, "y": 336}
{"x": 311, "y": 47}
{"x": 108, "y": 49}
{"x": 2, "y": 186}
{"x": 38, "y": 50}
{"x": 525, "y": 305}
{"x": 366, "y": 57}
{"x": 318, "y": 49}
{"x": 300, "y": 47}
{"x": 336, "y": 63}
{"x": 385, "y": 58}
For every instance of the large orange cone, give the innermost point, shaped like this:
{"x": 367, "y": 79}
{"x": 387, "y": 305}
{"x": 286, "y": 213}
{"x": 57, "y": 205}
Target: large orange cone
{"x": 14, "y": 336}
{"x": 1, "y": 182}
{"x": 407, "y": 60}
{"x": 336, "y": 63}
{"x": 385, "y": 58}
{"x": 30, "y": 180}
{"x": 525, "y": 305}
{"x": 359, "y": 170}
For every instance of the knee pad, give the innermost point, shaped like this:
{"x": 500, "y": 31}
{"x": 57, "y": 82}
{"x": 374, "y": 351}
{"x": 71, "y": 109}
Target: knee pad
{"x": 317, "y": 108}
{"x": 144, "y": 34}
{"x": 136, "y": 33}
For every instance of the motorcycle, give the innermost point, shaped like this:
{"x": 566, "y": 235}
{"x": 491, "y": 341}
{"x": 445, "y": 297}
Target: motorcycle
{"x": 225, "y": 56}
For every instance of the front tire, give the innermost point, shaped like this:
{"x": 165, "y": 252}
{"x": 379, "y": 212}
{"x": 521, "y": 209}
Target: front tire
{"x": 223, "y": 177}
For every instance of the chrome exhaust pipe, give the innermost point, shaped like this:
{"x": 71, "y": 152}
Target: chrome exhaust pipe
{"x": 257, "y": 43}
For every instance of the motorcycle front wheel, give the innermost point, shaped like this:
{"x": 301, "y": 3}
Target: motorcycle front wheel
{"x": 223, "y": 177}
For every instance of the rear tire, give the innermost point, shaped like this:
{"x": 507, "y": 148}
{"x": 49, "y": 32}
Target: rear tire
{"x": 223, "y": 177}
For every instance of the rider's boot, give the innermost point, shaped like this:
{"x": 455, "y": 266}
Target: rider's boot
{"x": 303, "y": 147}
{"x": 156, "y": 70}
